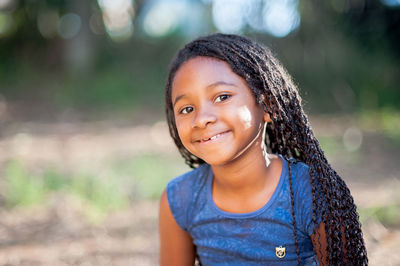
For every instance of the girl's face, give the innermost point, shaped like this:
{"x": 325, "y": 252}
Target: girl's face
{"x": 216, "y": 114}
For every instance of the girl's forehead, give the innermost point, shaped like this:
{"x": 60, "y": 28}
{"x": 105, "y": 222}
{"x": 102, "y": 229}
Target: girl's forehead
{"x": 203, "y": 62}
{"x": 203, "y": 71}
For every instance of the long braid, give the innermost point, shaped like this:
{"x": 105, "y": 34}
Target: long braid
{"x": 293, "y": 215}
{"x": 289, "y": 134}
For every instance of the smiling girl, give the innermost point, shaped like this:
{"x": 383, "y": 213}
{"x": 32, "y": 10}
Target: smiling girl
{"x": 262, "y": 191}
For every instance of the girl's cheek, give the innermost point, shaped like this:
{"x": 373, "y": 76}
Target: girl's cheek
{"x": 182, "y": 129}
{"x": 245, "y": 116}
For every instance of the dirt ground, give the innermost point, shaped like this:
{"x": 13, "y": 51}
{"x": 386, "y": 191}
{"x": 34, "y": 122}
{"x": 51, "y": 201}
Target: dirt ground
{"x": 58, "y": 234}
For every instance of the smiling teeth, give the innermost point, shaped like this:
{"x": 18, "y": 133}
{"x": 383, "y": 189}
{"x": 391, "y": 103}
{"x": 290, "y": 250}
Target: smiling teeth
{"x": 213, "y": 137}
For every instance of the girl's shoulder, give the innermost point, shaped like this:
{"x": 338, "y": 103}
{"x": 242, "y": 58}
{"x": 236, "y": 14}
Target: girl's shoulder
{"x": 298, "y": 165}
{"x": 299, "y": 172}
{"x": 183, "y": 190}
{"x": 189, "y": 180}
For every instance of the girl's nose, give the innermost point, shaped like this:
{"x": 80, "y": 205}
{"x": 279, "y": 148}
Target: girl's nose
{"x": 204, "y": 117}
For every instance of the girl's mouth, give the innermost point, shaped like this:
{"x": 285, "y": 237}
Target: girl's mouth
{"x": 213, "y": 137}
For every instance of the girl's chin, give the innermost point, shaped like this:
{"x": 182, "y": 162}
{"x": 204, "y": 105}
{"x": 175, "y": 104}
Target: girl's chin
{"x": 218, "y": 159}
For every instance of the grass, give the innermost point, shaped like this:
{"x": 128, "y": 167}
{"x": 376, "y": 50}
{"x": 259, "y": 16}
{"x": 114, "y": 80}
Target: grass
{"x": 391, "y": 125}
{"x": 387, "y": 215}
{"x": 331, "y": 146}
{"x": 21, "y": 187}
{"x": 118, "y": 184}
{"x": 386, "y": 120}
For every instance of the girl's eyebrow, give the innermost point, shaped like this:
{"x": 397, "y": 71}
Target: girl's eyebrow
{"x": 178, "y": 98}
{"x": 220, "y": 83}
{"x": 212, "y": 85}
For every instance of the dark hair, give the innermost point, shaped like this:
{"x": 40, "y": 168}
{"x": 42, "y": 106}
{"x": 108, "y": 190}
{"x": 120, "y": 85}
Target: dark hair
{"x": 289, "y": 134}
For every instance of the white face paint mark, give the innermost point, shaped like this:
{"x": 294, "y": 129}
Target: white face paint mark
{"x": 245, "y": 116}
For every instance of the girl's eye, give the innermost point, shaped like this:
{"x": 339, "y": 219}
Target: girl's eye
{"x": 186, "y": 110}
{"x": 222, "y": 97}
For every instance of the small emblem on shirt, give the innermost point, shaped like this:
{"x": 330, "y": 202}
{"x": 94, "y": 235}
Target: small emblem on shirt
{"x": 280, "y": 252}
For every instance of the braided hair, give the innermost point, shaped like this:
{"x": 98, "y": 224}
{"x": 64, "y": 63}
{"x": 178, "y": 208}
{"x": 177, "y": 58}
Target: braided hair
{"x": 289, "y": 134}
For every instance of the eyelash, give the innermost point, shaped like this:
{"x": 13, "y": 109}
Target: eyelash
{"x": 222, "y": 97}
{"x": 185, "y": 108}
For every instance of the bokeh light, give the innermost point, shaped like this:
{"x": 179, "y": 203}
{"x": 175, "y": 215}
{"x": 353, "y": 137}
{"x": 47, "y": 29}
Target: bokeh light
{"x": 255, "y": 16}
{"x": 281, "y": 17}
{"x": 276, "y": 17}
{"x": 229, "y": 15}
{"x": 352, "y": 138}
{"x": 391, "y": 2}
{"x": 47, "y": 23}
{"x": 69, "y": 25}
{"x": 117, "y": 17}
{"x": 163, "y": 17}
{"x": 8, "y": 5}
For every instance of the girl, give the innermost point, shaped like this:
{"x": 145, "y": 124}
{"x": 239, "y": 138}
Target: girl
{"x": 262, "y": 191}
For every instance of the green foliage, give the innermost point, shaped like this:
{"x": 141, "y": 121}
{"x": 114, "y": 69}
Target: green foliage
{"x": 113, "y": 187}
{"x": 330, "y": 145}
{"x": 25, "y": 189}
{"x": 22, "y": 188}
{"x": 150, "y": 173}
{"x": 387, "y": 215}
{"x": 110, "y": 88}
{"x": 391, "y": 125}
{"x": 54, "y": 180}
{"x": 100, "y": 195}
{"x": 386, "y": 121}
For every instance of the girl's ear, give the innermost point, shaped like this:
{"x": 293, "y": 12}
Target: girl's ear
{"x": 267, "y": 118}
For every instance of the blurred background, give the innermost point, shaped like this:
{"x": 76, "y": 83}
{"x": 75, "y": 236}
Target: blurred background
{"x": 84, "y": 147}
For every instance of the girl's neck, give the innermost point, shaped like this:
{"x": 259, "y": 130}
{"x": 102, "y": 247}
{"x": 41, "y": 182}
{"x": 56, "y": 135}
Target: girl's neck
{"x": 248, "y": 174}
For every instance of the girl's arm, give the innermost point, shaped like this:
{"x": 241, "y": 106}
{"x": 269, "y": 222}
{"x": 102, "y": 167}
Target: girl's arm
{"x": 176, "y": 246}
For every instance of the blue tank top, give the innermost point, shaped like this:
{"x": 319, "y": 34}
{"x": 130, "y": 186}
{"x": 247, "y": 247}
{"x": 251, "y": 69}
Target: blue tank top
{"x": 262, "y": 237}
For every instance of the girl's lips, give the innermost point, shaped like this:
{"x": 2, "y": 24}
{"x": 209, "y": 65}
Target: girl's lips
{"x": 213, "y": 138}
